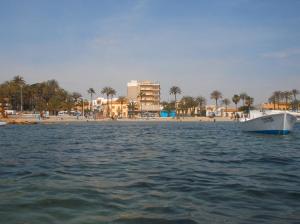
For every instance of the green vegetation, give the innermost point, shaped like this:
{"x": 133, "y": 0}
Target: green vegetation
{"x": 243, "y": 97}
{"x": 236, "y": 99}
{"x": 91, "y": 91}
{"x": 109, "y": 92}
{"x": 168, "y": 107}
{"x": 286, "y": 98}
{"x": 132, "y": 108}
{"x": 16, "y": 94}
{"x": 226, "y": 102}
{"x": 141, "y": 95}
{"x": 216, "y": 95}
{"x": 175, "y": 90}
{"x": 121, "y": 100}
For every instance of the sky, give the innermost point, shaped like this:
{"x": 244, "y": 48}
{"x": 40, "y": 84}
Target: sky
{"x": 233, "y": 46}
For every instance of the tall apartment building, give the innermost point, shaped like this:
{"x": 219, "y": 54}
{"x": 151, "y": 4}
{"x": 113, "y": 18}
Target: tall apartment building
{"x": 150, "y": 92}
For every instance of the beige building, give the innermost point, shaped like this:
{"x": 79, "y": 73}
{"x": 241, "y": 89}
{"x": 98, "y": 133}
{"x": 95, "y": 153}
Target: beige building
{"x": 132, "y": 90}
{"x": 118, "y": 109}
{"x": 276, "y": 106}
{"x": 111, "y": 108}
{"x": 146, "y": 94}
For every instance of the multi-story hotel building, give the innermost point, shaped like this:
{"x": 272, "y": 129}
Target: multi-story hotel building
{"x": 146, "y": 94}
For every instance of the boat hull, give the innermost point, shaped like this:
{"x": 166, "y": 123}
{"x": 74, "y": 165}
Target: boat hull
{"x": 2, "y": 123}
{"x": 280, "y": 124}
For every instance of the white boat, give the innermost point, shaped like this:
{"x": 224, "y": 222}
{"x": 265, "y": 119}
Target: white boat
{"x": 296, "y": 114}
{"x": 2, "y": 123}
{"x": 269, "y": 122}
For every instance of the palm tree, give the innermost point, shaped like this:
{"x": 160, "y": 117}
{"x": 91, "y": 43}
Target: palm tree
{"x": 272, "y": 100}
{"x": 188, "y": 103}
{"x": 20, "y": 82}
{"x": 91, "y": 91}
{"x": 287, "y": 96}
{"x": 131, "y": 108}
{"x": 281, "y": 97}
{"x": 243, "y": 97}
{"x": 201, "y": 101}
{"x": 236, "y": 99}
{"x": 248, "y": 102}
{"x": 122, "y": 100}
{"x": 277, "y": 97}
{"x": 141, "y": 95}
{"x": 112, "y": 93}
{"x": 295, "y": 92}
{"x": 226, "y": 102}
{"x": 107, "y": 91}
{"x": 175, "y": 90}
{"x": 76, "y": 96}
{"x": 216, "y": 95}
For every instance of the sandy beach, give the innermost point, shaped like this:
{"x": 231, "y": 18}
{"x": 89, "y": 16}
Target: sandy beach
{"x": 67, "y": 119}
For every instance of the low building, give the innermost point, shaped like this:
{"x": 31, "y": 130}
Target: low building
{"x": 220, "y": 111}
{"x": 111, "y": 107}
{"x": 119, "y": 109}
{"x": 276, "y": 106}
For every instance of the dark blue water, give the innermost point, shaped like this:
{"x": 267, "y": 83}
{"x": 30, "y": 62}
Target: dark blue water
{"x": 147, "y": 173}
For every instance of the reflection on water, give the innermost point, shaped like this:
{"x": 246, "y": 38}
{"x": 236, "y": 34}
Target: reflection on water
{"x": 147, "y": 173}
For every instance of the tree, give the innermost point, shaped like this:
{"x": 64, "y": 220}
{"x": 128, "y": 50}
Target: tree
{"x": 175, "y": 90}
{"x": 132, "y": 107}
{"x": 168, "y": 107}
{"x": 295, "y": 92}
{"x": 49, "y": 90}
{"x": 44, "y": 96}
{"x": 19, "y": 80}
{"x": 141, "y": 95}
{"x": 201, "y": 101}
{"x": 122, "y": 100}
{"x": 243, "y": 97}
{"x": 91, "y": 91}
{"x": 287, "y": 97}
{"x": 277, "y": 97}
{"x": 187, "y": 103}
{"x": 236, "y": 99}
{"x": 216, "y": 95}
{"x": 183, "y": 105}
{"x": 249, "y": 102}
{"x": 107, "y": 91}
{"x": 281, "y": 97}
{"x": 20, "y": 83}
{"x": 76, "y": 96}
{"x": 226, "y": 102}
{"x": 272, "y": 99}
{"x": 112, "y": 93}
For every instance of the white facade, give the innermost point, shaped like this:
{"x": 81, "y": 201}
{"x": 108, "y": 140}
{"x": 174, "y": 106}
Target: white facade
{"x": 100, "y": 102}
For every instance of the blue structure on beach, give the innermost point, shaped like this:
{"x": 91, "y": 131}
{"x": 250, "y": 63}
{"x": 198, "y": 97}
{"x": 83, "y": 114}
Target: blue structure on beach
{"x": 164, "y": 113}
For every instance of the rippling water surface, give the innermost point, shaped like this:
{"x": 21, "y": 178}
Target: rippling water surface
{"x": 147, "y": 173}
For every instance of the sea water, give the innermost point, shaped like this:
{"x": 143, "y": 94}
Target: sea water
{"x": 147, "y": 172}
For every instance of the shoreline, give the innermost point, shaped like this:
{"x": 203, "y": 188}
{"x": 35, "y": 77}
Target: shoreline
{"x": 57, "y": 120}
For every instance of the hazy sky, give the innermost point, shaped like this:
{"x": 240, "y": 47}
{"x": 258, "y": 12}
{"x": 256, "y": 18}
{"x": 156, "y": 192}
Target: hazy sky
{"x": 229, "y": 45}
